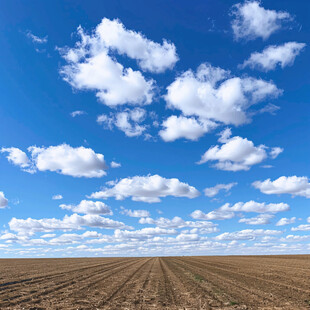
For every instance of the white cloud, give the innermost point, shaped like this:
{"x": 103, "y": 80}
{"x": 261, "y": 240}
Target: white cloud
{"x": 177, "y": 127}
{"x": 92, "y": 66}
{"x": 283, "y": 55}
{"x": 218, "y": 214}
{"x": 257, "y": 207}
{"x": 36, "y": 39}
{"x": 296, "y": 186}
{"x": 63, "y": 159}
{"x": 212, "y": 94}
{"x": 151, "y": 56}
{"x": 126, "y": 121}
{"x": 48, "y": 236}
{"x": 227, "y": 211}
{"x": 135, "y": 213}
{"x": 114, "y": 164}
{"x": 89, "y": 207}
{"x": 275, "y": 152}
{"x": 147, "y": 189}
{"x": 72, "y": 222}
{"x": 247, "y": 234}
{"x": 77, "y": 113}
{"x": 213, "y": 191}
{"x": 252, "y": 21}
{"x": 261, "y": 219}
{"x": 3, "y": 201}
{"x": 18, "y": 158}
{"x": 237, "y": 153}
{"x": 294, "y": 238}
{"x": 303, "y": 227}
{"x": 177, "y": 222}
{"x": 144, "y": 233}
{"x": 57, "y": 197}
{"x": 286, "y": 221}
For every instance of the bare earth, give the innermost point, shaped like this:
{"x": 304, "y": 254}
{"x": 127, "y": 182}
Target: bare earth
{"x": 231, "y": 282}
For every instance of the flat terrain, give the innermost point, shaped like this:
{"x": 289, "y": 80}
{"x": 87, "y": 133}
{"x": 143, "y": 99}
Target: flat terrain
{"x": 230, "y": 282}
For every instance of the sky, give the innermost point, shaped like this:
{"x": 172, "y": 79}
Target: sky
{"x": 154, "y": 128}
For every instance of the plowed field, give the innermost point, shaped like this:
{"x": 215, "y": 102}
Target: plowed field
{"x": 230, "y": 282}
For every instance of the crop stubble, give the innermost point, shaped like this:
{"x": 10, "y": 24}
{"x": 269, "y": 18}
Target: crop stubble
{"x": 227, "y": 282}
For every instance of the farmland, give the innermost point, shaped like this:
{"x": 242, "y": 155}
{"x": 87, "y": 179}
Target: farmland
{"x": 227, "y": 282}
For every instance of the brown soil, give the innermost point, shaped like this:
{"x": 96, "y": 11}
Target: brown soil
{"x": 228, "y": 282}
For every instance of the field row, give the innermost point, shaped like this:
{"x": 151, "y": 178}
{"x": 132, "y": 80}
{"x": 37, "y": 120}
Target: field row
{"x": 256, "y": 282}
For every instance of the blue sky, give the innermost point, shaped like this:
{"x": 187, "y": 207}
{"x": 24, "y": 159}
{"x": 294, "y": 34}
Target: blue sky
{"x": 162, "y": 128}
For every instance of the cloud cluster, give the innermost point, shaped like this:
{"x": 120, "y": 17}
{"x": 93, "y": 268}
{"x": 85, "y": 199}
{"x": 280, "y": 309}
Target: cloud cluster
{"x": 212, "y": 94}
{"x": 247, "y": 234}
{"x": 151, "y": 56}
{"x": 177, "y": 222}
{"x": 252, "y": 21}
{"x": 296, "y": 186}
{"x": 128, "y": 121}
{"x": 237, "y": 153}
{"x": 283, "y": 55}
{"x": 147, "y": 189}
{"x": 72, "y": 222}
{"x": 89, "y": 207}
{"x": 63, "y": 159}
{"x": 228, "y": 211}
{"x": 3, "y": 201}
{"x": 286, "y": 221}
{"x": 92, "y": 66}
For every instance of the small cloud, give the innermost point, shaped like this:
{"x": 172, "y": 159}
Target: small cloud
{"x": 77, "y": 113}
{"x": 57, "y": 197}
{"x": 36, "y": 39}
{"x": 114, "y": 164}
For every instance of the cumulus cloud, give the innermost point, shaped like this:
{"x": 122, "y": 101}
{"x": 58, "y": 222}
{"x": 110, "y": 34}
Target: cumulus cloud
{"x": 296, "y": 186}
{"x": 177, "y": 127}
{"x": 151, "y": 56}
{"x": 77, "y": 113}
{"x": 63, "y": 159}
{"x": 252, "y": 21}
{"x": 57, "y": 197}
{"x": 237, "y": 153}
{"x": 283, "y": 55}
{"x": 212, "y": 94}
{"x": 257, "y": 207}
{"x": 247, "y": 234}
{"x": 18, "y": 158}
{"x": 286, "y": 221}
{"x": 72, "y": 222}
{"x": 147, "y": 189}
{"x": 213, "y": 191}
{"x": 127, "y": 121}
{"x": 92, "y": 65}
{"x": 303, "y": 227}
{"x": 135, "y": 213}
{"x": 3, "y": 201}
{"x": 143, "y": 233}
{"x": 261, "y": 219}
{"x": 227, "y": 211}
{"x": 177, "y": 222}
{"x": 115, "y": 164}
{"x": 218, "y": 214}
{"x": 89, "y": 207}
